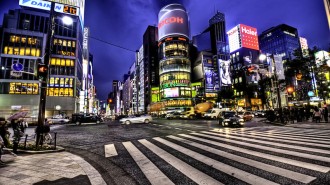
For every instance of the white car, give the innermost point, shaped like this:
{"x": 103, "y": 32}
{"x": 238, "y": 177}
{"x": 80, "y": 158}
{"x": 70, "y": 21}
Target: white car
{"x": 136, "y": 119}
{"x": 57, "y": 120}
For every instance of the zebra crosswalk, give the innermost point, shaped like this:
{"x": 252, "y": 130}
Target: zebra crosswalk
{"x": 274, "y": 155}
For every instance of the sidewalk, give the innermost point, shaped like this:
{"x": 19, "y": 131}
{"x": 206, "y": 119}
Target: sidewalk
{"x": 48, "y": 169}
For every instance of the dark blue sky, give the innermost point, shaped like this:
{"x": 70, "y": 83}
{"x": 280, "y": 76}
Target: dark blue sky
{"x": 123, "y": 22}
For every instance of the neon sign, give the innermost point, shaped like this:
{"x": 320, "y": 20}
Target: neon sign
{"x": 170, "y": 20}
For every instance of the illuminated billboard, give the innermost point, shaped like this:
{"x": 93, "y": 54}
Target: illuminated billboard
{"x": 304, "y": 46}
{"x": 225, "y": 76}
{"x": 320, "y": 57}
{"x": 171, "y": 92}
{"x": 234, "y": 39}
{"x": 243, "y": 36}
{"x": 45, "y": 5}
{"x": 173, "y": 20}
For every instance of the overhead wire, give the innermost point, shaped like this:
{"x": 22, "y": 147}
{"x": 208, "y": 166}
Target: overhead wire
{"x": 100, "y": 40}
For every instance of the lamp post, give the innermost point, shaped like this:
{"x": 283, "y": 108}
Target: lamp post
{"x": 278, "y": 93}
{"x": 46, "y": 59}
{"x": 48, "y": 50}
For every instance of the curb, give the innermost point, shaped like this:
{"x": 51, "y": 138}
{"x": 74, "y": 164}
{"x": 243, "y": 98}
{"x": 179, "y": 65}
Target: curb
{"x": 58, "y": 149}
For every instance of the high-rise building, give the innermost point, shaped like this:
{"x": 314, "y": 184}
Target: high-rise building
{"x": 24, "y": 36}
{"x": 151, "y": 63}
{"x": 327, "y": 10}
{"x": 280, "y": 40}
{"x": 213, "y": 47}
{"x": 174, "y": 62}
{"x": 244, "y": 64}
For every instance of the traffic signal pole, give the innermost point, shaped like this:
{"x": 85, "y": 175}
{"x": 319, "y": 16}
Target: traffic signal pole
{"x": 44, "y": 80}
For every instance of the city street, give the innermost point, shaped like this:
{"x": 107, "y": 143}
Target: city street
{"x": 197, "y": 152}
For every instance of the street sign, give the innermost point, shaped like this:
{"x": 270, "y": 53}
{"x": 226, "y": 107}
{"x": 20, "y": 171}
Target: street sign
{"x": 17, "y": 67}
{"x": 16, "y": 73}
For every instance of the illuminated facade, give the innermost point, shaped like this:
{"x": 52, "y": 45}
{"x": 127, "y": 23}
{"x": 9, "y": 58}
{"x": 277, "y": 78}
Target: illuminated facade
{"x": 244, "y": 55}
{"x": 174, "y": 64}
{"x": 24, "y": 34}
{"x": 280, "y": 40}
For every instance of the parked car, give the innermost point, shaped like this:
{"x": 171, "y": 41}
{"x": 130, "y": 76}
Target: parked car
{"x": 173, "y": 115}
{"x": 79, "y": 118}
{"x": 136, "y": 119}
{"x": 247, "y": 116}
{"x": 55, "y": 120}
{"x": 230, "y": 118}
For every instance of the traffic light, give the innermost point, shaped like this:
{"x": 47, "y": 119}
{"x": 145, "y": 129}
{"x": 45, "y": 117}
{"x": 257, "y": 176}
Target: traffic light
{"x": 42, "y": 71}
{"x": 109, "y": 100}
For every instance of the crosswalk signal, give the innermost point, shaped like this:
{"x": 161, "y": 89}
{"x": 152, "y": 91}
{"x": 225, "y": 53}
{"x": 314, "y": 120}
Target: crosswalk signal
{"x": 42, "y": 71}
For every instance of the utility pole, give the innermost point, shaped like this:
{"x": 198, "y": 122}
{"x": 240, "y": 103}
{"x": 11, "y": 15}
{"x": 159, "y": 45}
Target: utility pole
{"x": 44, "y": 81}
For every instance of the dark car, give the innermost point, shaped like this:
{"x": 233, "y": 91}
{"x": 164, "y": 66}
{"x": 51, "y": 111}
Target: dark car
{"x": 260, "y": 114}
{"x": 79, "y": 118}
{"x": 230, "y": 118}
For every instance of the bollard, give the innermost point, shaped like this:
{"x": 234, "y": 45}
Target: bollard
{"x": 25, "y": 141}
{"x": 55, "y": 140}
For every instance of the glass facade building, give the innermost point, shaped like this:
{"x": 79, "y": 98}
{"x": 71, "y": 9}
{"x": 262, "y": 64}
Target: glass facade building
{"x": 24, "y": 34}
{"x": 280, "y": 40}
{"x": 174, "y": 64}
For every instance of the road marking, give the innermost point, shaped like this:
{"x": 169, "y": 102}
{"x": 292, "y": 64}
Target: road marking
{"x": 233, "y": 135}
{"x": 110, "y": 150}
{"x": 280, "y": 137}
{"x": 301, "y": 164}
{"x": 153, "y": 174}
{"x": 194, "y": 174}
{"x": 266, "y": 167}
{"x": 298, "y": 154}
{"x": 237, "y": 173}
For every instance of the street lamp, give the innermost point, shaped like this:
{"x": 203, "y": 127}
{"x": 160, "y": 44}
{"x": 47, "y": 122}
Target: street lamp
{"x": 279, "y": 103}
{"x": 46, "y": 59}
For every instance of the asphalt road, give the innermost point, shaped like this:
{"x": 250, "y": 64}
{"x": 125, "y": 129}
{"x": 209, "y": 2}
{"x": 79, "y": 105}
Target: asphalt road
{"x": 200, "y": 152}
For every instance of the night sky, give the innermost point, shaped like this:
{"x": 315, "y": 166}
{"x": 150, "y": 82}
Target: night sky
{"x": 123, "y": 22}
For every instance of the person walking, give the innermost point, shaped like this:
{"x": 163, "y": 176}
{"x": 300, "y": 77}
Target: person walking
{"x": 317, "y": 115}
{"x": 4, "y": 133}
{"x": 325, "y": 113}
{"x": 17, "y": 134}
{"x": 2, "y": 145}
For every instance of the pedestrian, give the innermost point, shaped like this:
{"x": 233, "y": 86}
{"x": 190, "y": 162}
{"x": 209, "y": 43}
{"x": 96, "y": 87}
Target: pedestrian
{"x": 2, "y": 145}
{"x": 17, "y": 134}
{"x": 317, "y": 115}
{"x": 22, "y": 125}
{"x": 4, "y": 133}
{"x": 325, "y": 113}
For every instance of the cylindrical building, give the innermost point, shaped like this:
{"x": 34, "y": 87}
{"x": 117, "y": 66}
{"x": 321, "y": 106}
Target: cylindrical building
{"x": 174, "y": 64}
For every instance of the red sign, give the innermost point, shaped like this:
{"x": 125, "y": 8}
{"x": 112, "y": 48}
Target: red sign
{"x": 249, "y": 37}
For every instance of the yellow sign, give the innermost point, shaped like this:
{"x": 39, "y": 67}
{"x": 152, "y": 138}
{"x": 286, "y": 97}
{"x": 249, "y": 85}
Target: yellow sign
{"x": 241, "y": 102}
{"x": 255, "y": 101}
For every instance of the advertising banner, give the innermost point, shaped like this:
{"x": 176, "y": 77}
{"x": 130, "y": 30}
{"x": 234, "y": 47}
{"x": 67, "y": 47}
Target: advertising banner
{"x": 45, "y": 5}
{"x": 173, "y": 20}
{"x": 234, "y": 39}
{"x": 249, "y": 37}
{"x": 225, "y": 76}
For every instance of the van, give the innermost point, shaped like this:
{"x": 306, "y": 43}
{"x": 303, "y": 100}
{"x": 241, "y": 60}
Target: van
{"x": 215, "y": 113}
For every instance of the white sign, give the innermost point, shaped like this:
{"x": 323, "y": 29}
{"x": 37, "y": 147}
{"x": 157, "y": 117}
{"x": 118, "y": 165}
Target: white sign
{"x": 44, "y": 5}
{"x": 234, "y": 39}
{"x": 16, "y": 73}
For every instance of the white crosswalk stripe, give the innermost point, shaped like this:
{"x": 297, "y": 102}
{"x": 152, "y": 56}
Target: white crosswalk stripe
{"x": 298, "y": 154}
{"x": 196, "y": 175}
{"x": 154, "y": 175}
{"x": 236, "y": 136}
{"x": 258, "y": 155}
{"x": 276, "y": 170}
